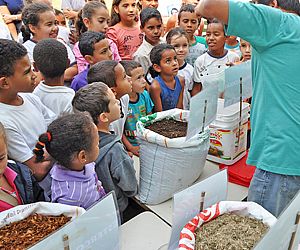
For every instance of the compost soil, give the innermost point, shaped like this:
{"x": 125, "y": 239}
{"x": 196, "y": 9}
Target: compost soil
{"x": 23, "y": 234}
{"x": 169, "y": 128}
{"x": 230, "y": 232}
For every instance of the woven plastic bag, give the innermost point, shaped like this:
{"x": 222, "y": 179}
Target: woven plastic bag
{"x": 250, "y": 209}
{"x": 168, "y": 165}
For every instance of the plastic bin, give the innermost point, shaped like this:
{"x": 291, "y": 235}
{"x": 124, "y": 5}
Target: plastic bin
{"x": 227, "y": 145}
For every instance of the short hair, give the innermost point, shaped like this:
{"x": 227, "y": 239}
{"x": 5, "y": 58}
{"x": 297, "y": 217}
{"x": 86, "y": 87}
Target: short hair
{"x": 175, "y": 32}
{"x": 216, "y": 21}
{"x": 2, "y": 134}
{"x": 65, "y": 137}
{"x": 88, "y": 40}
{"x": 50, "y": 57}
{"x": 92, "y": 98}
{"x": 147, "y": 14}
{"x": 130, "y": 65}
{"x": 187, "y": 8}
{"x": 10, "y": 53}
{"x": 103, "y": 71}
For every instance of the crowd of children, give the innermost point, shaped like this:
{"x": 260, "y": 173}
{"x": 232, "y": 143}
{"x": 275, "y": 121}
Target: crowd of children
{"x": 69, "y": 104}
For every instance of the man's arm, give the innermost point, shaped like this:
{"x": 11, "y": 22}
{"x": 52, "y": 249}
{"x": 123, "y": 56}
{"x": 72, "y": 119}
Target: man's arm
{"x": 214, "y": 9}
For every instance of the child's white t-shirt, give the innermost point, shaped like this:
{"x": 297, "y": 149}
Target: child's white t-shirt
{"x": 4, "y": 32}
{"x": 186, "y": 71}
{"x": 118, "y": 126}
{"x": 57, "y": 98}
{"x": 207, "y": 64}
{"x": 24, "y": 124}
{"x": 29, "y": 45}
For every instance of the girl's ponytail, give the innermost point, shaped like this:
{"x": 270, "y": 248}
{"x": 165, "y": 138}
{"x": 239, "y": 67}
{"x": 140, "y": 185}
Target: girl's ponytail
{"x": 44, "y": 141}
{"x": 152, "y": 72}
{"x": 79, "y": 24}
{"x": 25, "y": 33}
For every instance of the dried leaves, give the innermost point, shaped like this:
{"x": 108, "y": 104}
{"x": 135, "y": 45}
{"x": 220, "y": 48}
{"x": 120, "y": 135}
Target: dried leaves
{"x": 169, "y": 128}
{"x": 23, "y": 234}
{"x": 230, "y": 232}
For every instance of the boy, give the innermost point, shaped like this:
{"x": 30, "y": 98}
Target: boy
{"x": 94, "y": 47}
{"x": 152, "y": 27}
{"x": 113, "y": 166}
{"x": 189, "y": 21}
{"x": 114, "y": 76}
{"x": 215, "y": 59}
{"x": 140, "y": 104}
{"x": 23, "y": 115}
{"x": 51, "y": 59}
{"x": 233, "y": 44}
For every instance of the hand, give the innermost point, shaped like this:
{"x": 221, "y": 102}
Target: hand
{"x": 135, "y": 150}
{"x": 70, "y": 14}
{"x": 8, "y": 18}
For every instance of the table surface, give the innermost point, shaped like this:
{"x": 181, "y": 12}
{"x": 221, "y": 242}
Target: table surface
{"x": 145, "y": 231}
{"x": 165, "y": 209}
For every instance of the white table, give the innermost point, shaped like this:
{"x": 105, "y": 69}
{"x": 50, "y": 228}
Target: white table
{"x": 145, "y": 231}
{"x": 165, "y": 209}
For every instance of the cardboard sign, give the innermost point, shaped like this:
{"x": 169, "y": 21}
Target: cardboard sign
{"x": 238, "y": 83}
{"x": 203, "y": 110}
{"x": 186, "y": 204}
{"x": 279, "y": 236}
{"x": 95, "y": 229}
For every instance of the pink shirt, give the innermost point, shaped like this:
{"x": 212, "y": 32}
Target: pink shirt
{"x": 82, "y": 63}
{"x": 127, "y": 39}
{"x": 10, "y": 176}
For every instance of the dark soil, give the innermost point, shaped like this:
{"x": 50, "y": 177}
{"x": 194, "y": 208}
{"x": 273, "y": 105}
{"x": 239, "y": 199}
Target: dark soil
{"x": 230, "y": 231}
{"x": 169, "y": 128}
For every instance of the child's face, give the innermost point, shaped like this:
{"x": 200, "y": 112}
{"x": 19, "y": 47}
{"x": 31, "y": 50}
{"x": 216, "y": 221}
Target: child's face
{"x": 138, "y": 80}
{"x": 123, "y": 84}
{"x": 189, "y": 22}
{"x": 46, "y": 27}
{"x": 127, "y": 10}
{"x": 168, "y": 63}
{"x": 114, "y": 107}
{"x": 60, "y": 20}
{"x": 181, "y": 45}
{"x": 149, "y": 3}
{"x": 245, "y": 48}
{"x": 231, "y": 39}
{"x": 153, "y": 29}
{"x": 99, "y": 21}
{"x": 101, "y": 52}
{"x": 215, "y": 37}
{"x": 3, "y": 157}
{"x": 23, "y": 79}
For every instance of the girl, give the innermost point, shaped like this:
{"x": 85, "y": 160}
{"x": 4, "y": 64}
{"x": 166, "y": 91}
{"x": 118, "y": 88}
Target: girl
{"x": 245, "y": 48}
{"x": 178, "y": 38}
{"x": 166, "y": 89}
{"x": 72, "y": 141}
{"x": 39, "y": 23}
{"x": 142, "y": 4}
{"x": 17, "y": 185}
{"x": 93, "y": 17}
{"x": 124, "y": 30}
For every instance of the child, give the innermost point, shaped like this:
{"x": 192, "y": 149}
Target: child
{"x": 113, "y": 166}
{"x": 39, "y": 21}
{"x": 60, "y": 18}
{"x": 140, "y": 104}
{"x": 245, "y": 48}
{"x": 177, "y": 37}
{"x": 23, "y": 115}
{"x": 166, "y": 90}
{"x": 189, "y": 21}
{"x": 51, "y": 59}
{"x": 95, "y": 48}
{"x": 17, "y": 186}
{"x": 151, "y": 26}
{"x": 124, "y": 31}
{"x": 72, "y": 141}
{"x": 93, "y": 17}
{"x": 232, "y": 44}
{"x": 215, "y": 59}
{"x": 143, "y": 4}
{"x": 114, "y": 76}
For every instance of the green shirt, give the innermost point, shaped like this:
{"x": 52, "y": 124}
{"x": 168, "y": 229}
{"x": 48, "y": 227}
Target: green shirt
{"x": 275, "y": 112}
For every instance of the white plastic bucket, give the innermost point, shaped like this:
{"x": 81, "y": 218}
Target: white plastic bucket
{"x": 227, "y": 145}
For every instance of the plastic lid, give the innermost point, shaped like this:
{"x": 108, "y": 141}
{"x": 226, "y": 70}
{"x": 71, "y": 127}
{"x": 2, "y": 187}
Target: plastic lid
{"x": 232, "y": 111}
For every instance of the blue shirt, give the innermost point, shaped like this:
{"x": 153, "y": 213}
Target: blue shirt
{"x": 142, "y": 107}
{"x": 14, "y": 6}
{"x": 169, "y": 97}
{"x": 80, "y": 80}
{"x": 275, "y": 112}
